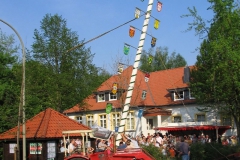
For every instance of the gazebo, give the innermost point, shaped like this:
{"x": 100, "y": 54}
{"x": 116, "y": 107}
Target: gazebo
{"x": 44, "y": 133}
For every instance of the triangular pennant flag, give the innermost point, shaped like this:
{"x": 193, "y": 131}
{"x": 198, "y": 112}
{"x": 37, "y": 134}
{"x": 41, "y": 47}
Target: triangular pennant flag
{"x": 126, "y": 49}
{"x": 137, "y": 13}
{"x": 114, "y": 88}
{"x": 153, "y": 42}
{"x": 131, "y": 31}
{"x": 150, "y": 58}
{"x": 159, "y": 6}
{"x": 156, "y": 24}
{"x": 120, "y": 68}
{"x": 109, "y": 108}
{"x": 147, "y": 76}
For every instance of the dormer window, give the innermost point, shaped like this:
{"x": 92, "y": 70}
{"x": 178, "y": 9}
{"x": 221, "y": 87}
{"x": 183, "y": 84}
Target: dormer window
{"x": 179, "y": 95}
{"x": 112, "y": 96}
{"x": 101, "y": 97}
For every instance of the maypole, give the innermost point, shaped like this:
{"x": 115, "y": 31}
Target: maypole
{"x": 134, "y": 71}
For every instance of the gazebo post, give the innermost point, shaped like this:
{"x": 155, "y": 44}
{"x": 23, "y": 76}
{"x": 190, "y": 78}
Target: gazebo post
{"x": 65, "y": 146}
{"x": 82, "y": 134}
{"x": 86, "y": 140}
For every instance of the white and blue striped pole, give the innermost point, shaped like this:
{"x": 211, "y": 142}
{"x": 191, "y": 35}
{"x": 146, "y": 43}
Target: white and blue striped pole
{"x": 134, "y": 71}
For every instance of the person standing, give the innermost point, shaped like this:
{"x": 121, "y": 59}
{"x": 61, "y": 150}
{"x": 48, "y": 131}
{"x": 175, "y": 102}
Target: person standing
{"x": 184, "y": 150}
{"x": 71, "y": 146}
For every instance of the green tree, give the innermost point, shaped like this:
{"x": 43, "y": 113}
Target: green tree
{"x": 161, "y": 60}
{"x": 9, "y": 86}
{"x": 215, "y": 80}
{"x": 62, "y": 78}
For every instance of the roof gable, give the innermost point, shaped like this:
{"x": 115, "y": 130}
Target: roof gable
{"x": 46, "y": 124}
{"x": 157, "y": 89}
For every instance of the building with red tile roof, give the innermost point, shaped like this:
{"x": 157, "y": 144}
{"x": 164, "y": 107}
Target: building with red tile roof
{"x": 44, "y": 129}
{"x": 166, "y": 101}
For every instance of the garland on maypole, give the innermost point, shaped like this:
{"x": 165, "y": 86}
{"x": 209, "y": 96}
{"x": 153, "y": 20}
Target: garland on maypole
{"x": 134, "y": 71}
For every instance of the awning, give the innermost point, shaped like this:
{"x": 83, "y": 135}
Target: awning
{"x": 197, "y": 127}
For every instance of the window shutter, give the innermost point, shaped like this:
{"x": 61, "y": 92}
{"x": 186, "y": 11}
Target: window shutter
{"x": 172, "y": 95}
{"x": 107, "y": 96}
{"x": 84, "y": 120}
{"x": 186, "y": 94}
{"x": 119, "y": 94}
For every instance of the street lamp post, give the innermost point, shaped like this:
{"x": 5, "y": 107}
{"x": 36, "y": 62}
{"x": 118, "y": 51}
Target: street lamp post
{"x": 22, "y": 101}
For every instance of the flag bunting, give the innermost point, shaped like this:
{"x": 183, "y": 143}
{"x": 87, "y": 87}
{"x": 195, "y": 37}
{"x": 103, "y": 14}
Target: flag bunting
{"x": 126, "y": 49}
{"x": 156, "y": 23}
{"x": 114, "y": 88}
{"x": 109, "y": 108}
{"x": 131, "y": 31}
{"x": 137, "y": 13}
{"x": 153, "y": 42}
{"x": 159, "y": 6}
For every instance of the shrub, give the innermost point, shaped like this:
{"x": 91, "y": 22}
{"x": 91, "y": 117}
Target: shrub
{"x": 211, "y": 151}
{"x": 153, "y": 151}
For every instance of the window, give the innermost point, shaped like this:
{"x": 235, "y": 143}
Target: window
{"x": 149, "y": 124}
{"x": 191, "y": 95}
{"x": 101, "y": 98}
{"x": 51, "y": 151}
{"x": 90, "y": 120}
{"x": 227, "y": 121}
{"x": 176, "y": 119}
{"x": 200, "y": 117}
{"x": 103, "y": 120}
{"x": 144, "y": 94}
{"x": 35, "y": 148}
{"x": 11, "y": 147}
{"x": 112, "y": 96}
{"x": 178, "y": 95}
{"x": 130, "y": 123}
{"x": 116, "y": 120}
{"x": 79, "y": 119}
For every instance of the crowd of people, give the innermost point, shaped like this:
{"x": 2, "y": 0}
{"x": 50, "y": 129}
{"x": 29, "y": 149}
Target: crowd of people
{"x": 169, "y": 145}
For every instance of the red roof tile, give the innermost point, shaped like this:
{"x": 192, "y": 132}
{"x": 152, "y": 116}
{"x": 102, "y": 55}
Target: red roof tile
{"x": 157, "y": 89}
{"x": 46, "y": 124}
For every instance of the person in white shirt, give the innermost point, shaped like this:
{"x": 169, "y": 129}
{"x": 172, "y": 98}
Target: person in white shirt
{"x": 62, "y": 149}
{"x": 71, "y": 146}
{"x": 159, "y": 139}
{"x": 134, "y": 143}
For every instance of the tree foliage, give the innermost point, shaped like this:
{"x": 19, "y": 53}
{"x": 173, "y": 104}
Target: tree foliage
{"x": 9, "y": 86}
{"x": 60, "y": 79}
{"x": 161, "y": 60}
{"x": 215, "y": 80}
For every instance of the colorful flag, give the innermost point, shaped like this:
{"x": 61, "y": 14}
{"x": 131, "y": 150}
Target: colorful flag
{"x": 159, "y": 6}
{"x": 114, "y": 88}
{"x": 156, "y": 24}
{"x": 109, "y": 108}
{"x": 140, "y": 113}
{"x": 137, "y": 13}
{"x": 153, "y": 42}
{"x": 150, "y": 58}
{"x": 147, "y": 76}
{"x": 120, "y": 68}
{"x": 131, "y": 31}
{"x": 126, "y": 49}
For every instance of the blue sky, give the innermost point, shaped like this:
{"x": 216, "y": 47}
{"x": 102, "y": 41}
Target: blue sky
{"x": 90, "y": 18}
